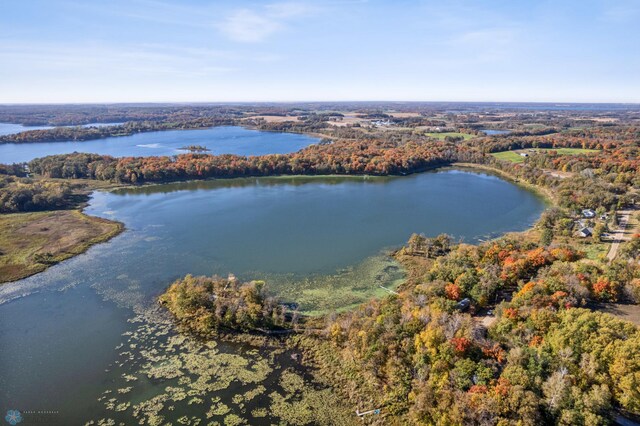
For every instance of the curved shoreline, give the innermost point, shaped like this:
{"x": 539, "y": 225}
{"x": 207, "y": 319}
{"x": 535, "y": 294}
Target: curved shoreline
{"x": 85, "y": 245}
{"x": 545, "y": 193}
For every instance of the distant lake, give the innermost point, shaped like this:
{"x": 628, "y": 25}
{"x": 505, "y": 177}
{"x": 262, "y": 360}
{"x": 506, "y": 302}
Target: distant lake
{"x": 11, "y": 128}
{"x": 219, "y": 140}
{"x": 318, "y": 241}
{"x": 491, "y": 132}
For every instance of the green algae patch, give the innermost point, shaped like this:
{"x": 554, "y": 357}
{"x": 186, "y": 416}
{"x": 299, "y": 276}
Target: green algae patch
{"x": 376, "y": 276}
{"x": 301, "y": 403}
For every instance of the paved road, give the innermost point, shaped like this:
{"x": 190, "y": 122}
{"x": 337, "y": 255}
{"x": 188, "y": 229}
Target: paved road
{"x": 619, "y": 235}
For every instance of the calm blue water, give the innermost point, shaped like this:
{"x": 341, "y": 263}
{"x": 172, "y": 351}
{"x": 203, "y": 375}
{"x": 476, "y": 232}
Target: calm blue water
{"x": 219, "y": 140}
{"x": 496, "y": 132}
{"x": 11, "y": 128}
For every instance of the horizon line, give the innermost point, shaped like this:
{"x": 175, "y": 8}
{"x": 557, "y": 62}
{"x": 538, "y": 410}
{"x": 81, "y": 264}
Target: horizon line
{"x": 316, "y": 102}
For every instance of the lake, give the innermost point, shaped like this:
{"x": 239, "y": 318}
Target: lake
{"x": 320, "y": 241}
{"x": 219, "y": 140}
{"x": 11, "y": 128}
{"x": 492, "y": 132}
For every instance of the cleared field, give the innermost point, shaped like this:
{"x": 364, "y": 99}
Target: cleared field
{"x": 512, "y": 156}
{"x": 515, "y": 157}
{"x": 568, "y": 151}
{"x": 443, "y": 135}
{"x": 31, "y": 242}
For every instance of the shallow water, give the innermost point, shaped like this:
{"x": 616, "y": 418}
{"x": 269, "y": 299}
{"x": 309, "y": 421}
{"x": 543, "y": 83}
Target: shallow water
{"x": 219, "y": 140}
{"x": 319, "y": 241}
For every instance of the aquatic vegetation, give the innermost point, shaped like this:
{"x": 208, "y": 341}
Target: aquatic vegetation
{"x": 251, "y": 394}
{"x": 149, "y": 410}
{"x": 122, "y": 406}
{"x": 169, "y": 369}
{"x": 323, "y": 293}
{"x": 170, "y": 374}
{"x": 218, "y": 409}
{"x": 259, "y": 412}
{"x": 291, "y": 382}
{"x": 309, "y": 407}
{"x": 234, "y": 420}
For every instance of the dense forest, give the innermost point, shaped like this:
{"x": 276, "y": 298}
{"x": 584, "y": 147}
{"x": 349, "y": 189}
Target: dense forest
{"x": 545, "y": 360}
{"x": 342, "y": 157}
{"x": 209, "y": 305}
{"x": 25, "y": 195}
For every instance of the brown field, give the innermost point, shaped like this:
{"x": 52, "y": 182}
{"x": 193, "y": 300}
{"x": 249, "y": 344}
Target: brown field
{"x": 603, "y": 119}
{"x": 31, "y": 242}
{"x": 349, "y": 118}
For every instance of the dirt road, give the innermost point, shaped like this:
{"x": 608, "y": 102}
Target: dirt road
{"x": 620, "y": 234}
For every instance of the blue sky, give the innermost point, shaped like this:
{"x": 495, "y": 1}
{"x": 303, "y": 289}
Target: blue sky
{"x": 196, "y": 50}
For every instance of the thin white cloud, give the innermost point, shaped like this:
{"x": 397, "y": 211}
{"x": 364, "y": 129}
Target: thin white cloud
{"x": 252, "y": 26}
{"x": 137, "y": 60}
{"x": 249, "y": 27}
{"x": 485, "y": 45}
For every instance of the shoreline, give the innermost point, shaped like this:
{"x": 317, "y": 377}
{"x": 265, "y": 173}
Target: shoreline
{"x": 94, "y": 185}
{"x": 545, "y": 193}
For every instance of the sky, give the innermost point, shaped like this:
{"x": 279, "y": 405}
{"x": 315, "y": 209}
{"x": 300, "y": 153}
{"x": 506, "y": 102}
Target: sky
{"x": 77, "y": 51}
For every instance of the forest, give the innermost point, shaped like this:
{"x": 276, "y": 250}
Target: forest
{"x": 210, "y": 305}
{"x": 27, "y": 195}
{"x": 341, "y": 157}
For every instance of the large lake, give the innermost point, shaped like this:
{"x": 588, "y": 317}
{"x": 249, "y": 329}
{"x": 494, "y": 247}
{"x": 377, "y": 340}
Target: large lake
{"x": 317, "y": 241}
{"x": 219, "y": 140}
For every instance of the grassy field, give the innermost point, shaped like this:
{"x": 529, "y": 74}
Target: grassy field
{"x": 569, "y": 151}
{"x": 515, "y": 157}
{"x": 512, "y": 156}
{"x": 31, "y": 242}
{"x": 595, "y": 250}
{"x": 443, "y": 135}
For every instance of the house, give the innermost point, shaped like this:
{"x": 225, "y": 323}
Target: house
{"x": 585, "y": 232}
{"x": 463, "y": 305}
{"x": 524, "y": 154}
{"x": 588, "y": 213}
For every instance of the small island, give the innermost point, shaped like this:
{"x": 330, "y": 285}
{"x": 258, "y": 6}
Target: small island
{"x": 195, "y": 148}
